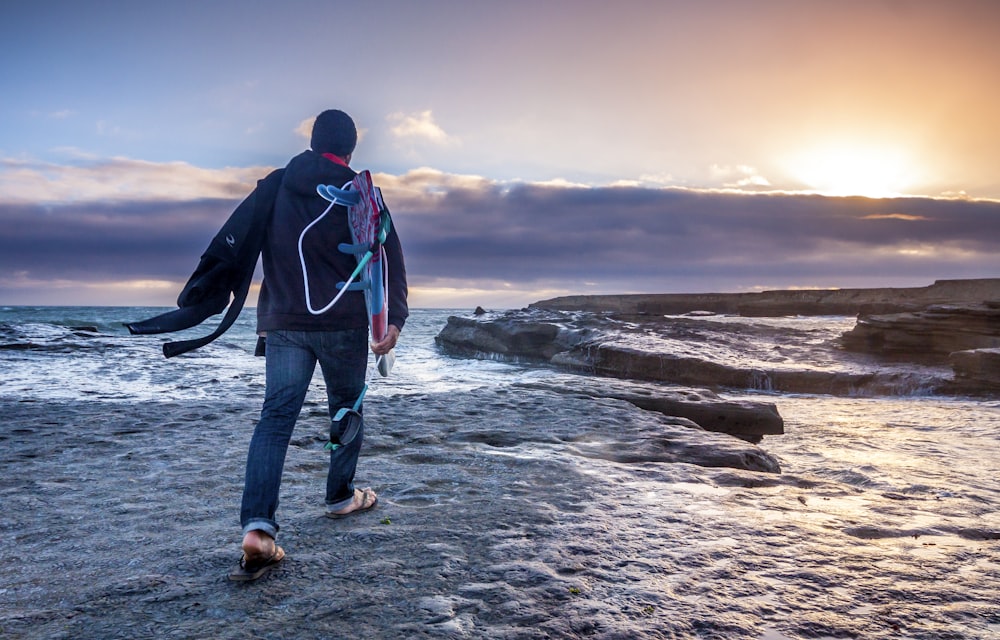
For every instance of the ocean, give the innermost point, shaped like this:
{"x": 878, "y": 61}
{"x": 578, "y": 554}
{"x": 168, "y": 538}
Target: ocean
{"x": 888, "y": 508}
{"x": 67, "y": 353}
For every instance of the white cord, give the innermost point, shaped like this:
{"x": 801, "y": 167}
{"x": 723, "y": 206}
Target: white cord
{"x": 305, "y": 275}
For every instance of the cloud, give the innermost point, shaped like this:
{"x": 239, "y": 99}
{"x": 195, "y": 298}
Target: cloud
{"x": 304, "y": 130}
{"x": 641, "y": 239}
{"x": 893, "y": 216}
{"x": 452, "y": 293}
{"x": 738, "y": 177}
{"x": 655, "y": 180}
{"x": 119, "y": 180}
{"x": 512, "y": 241}
{"x": 86, "y": 291}
{"x": 424, "y": 187}
{"x": 419, "y": 126}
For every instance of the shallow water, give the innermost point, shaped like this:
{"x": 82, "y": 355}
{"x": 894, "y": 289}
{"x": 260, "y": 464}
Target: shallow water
{"x": 884, "y": 523}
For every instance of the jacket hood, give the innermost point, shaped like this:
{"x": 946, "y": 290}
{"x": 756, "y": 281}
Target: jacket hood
{"x": 309, "y": 169}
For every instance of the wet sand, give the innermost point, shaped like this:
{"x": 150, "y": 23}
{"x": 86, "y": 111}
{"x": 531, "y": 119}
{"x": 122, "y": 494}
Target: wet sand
{"x": 504, "y": 513}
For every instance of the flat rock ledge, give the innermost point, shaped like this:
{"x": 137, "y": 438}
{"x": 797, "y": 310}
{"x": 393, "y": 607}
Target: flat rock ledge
{"x": 585, "y": 342}
{"x": 749, "y": 421}
{"x": 931, "y": 334}
{"x": 805, "y": 302}
{"x": 951, "y": 323}
{"x": 514, "y": 339}
{"x": 977, "y": 369}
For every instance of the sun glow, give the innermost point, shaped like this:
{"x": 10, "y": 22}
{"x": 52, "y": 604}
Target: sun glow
{"x": 853, "y": 171}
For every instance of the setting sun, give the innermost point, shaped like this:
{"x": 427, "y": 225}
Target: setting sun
{"x": 853, "y": 171}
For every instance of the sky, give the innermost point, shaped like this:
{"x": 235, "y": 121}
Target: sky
{"x": 527, "y": 149}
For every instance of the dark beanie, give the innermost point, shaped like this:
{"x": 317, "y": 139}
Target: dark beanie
{"x": 334, "y": 132}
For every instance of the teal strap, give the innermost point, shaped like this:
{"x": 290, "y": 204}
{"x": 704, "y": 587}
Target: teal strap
{"x": 355, "y": 286}
{"x": 333, "y": 446}
{"x": 356, "y": 249}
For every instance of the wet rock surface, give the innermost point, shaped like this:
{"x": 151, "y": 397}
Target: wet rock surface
{"x": 681, "y": 351}
{"x": 744, "y": 419}
{"x": 513, "y": 512}
{"x": 977, "y": 368}
{"x": 493, "y": 517}
{"x": 930, "y": 334}
{"x": 642, "y": 338}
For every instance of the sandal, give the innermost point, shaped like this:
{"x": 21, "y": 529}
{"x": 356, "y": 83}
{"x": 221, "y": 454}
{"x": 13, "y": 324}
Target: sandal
{"x": 368, "y": 502}
{"x": 250, "y": 570}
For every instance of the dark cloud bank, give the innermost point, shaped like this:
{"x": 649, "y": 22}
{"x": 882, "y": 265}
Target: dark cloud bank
{"x": 632, "y": 239}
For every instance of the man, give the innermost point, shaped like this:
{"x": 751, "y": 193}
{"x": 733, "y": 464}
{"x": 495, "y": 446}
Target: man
{"x": 296, "y": 339}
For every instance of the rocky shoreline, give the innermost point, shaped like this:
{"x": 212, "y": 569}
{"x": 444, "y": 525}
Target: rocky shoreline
{"x": 528, "y": 503}
{"x": 965, "y": 337}
{"x": 949, "y": 331}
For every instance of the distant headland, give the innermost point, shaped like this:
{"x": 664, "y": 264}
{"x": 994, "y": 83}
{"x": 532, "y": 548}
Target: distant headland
{"x": 804, "y": 302}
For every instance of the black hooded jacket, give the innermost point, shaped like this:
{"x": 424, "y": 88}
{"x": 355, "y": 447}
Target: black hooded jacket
{"x": 282, "y": 302}
{"x": 255, "y": 227}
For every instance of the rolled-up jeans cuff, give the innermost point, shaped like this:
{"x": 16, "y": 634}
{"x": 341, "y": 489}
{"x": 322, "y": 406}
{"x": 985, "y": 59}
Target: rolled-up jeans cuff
{"x": 269, "y": 528}
{"x": 341, "y": 504}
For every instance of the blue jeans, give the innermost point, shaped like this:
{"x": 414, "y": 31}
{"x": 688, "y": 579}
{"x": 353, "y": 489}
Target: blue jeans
{"x": 291, "y": 358}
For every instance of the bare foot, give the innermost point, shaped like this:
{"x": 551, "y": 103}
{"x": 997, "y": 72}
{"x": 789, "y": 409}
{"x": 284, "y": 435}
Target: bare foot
{"x": 363, "y": 499}
{"x": 260, "y": 555}
{"x": 257, "y": 545}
